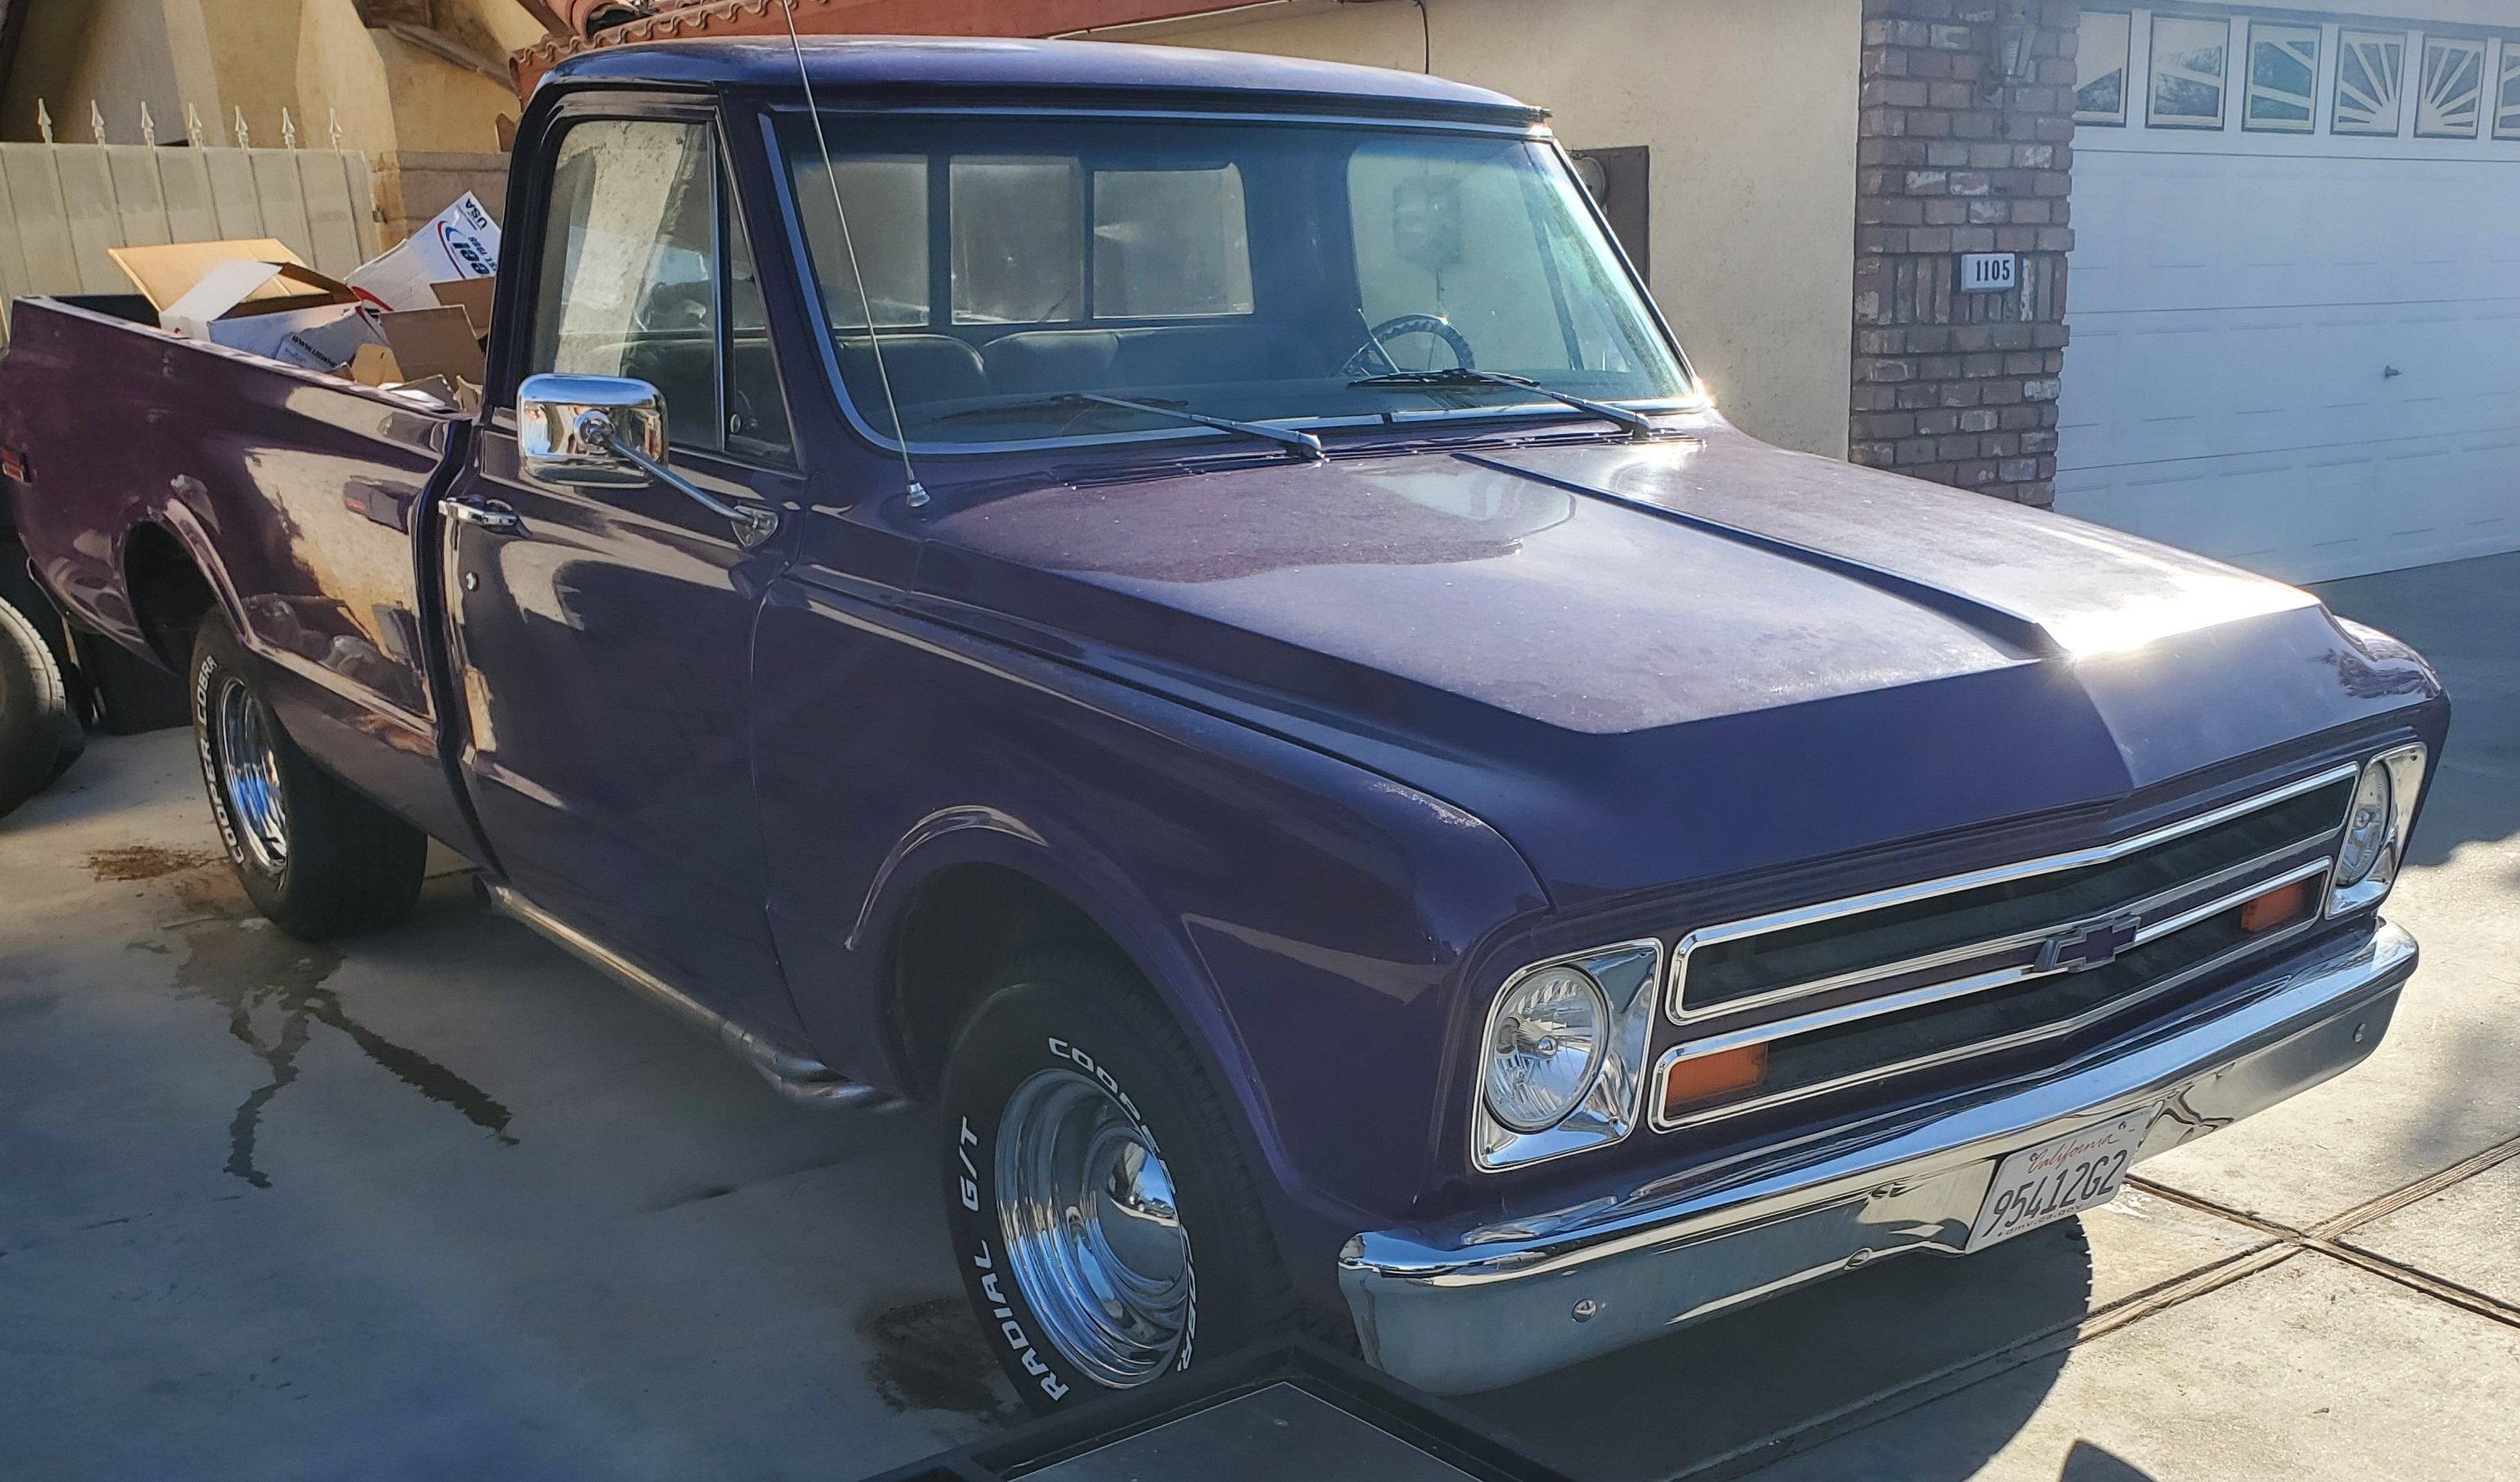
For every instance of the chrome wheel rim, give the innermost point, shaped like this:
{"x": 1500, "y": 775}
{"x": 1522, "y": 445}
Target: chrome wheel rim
{"x": 1093, "y": 1230}
{"x": 248, "y": 775}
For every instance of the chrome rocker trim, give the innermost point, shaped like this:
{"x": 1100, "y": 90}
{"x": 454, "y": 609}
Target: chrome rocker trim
{"x": 1459, "y": 1311}
{"x": 800, "y": 1078}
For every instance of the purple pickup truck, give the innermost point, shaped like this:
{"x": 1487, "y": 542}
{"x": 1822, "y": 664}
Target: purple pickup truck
{"x": 1188, "y": 609}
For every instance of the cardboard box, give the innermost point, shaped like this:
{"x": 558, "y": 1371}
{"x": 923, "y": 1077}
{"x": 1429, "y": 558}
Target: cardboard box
{"x": 279, "y": 310}
{"x": 473, "y": 295}
{"x": 459, "y": 241}
{"x": 332, "y": 343}
{"x": 164, "y": 274}
{"x": 420, "y": 345}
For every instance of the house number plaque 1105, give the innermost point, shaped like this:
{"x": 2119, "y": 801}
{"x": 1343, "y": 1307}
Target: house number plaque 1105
{"x": 1989, "y": 272}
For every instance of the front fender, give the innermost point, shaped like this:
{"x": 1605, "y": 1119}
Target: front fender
{"x": 1305, "y": 921}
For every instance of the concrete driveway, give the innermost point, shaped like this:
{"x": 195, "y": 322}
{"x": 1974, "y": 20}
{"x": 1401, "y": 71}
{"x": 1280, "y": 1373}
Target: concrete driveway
{"x": 446, "y": 1205}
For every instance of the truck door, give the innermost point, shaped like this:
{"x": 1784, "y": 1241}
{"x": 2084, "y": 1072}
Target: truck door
{"x": 602, "y": 636}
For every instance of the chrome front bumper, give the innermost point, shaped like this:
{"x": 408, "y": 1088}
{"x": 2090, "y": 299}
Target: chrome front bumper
{"x": 1469, "y": 1310}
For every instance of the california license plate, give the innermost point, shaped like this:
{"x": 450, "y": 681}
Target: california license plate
{"x": 2060, "y": 1177}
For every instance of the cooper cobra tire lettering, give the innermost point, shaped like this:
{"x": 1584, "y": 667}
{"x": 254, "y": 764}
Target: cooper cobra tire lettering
{"x": 1063, "y": 1051}
{"x": 204, "y": 667}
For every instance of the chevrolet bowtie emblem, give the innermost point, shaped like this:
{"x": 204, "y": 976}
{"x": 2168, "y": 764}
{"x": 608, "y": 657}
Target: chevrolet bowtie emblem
{"x": 2091, "y": 944}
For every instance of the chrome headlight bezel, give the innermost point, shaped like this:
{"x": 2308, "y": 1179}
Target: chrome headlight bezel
{"x": 2401, "y": 773}
{"x": 1629, "y": 975}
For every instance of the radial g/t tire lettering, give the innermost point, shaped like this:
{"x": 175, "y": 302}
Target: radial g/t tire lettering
{"x": 1105, "y": 1228}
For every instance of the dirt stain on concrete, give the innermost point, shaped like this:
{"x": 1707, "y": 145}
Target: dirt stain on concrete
{"x": 144, "y": 862}
{"x": 931, "y": 1355}
{"x": 248, "y": 967}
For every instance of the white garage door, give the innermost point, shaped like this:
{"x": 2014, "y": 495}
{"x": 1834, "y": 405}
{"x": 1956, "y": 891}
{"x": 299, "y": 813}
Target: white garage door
{"x": 2295, "y": 289}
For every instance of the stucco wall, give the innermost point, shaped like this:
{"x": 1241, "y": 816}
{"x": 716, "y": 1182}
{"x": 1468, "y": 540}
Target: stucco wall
{"x": 389, "y": 94}
{"x": 316, "y": 58}
{"x": 112, "y": 52}
{"x": 1750, "y": 113}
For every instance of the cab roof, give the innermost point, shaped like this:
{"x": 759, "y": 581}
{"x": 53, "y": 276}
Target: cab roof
{"x": 857, "y": 68}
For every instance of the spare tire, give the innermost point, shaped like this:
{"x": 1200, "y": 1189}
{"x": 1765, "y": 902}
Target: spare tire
{"x": 40, "y": 734}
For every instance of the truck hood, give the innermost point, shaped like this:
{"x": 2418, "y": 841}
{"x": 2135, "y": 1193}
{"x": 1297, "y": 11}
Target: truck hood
{"x": 1653, "y": 663}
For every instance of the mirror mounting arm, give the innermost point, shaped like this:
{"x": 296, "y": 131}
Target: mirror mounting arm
{"x": 753, "y": 527}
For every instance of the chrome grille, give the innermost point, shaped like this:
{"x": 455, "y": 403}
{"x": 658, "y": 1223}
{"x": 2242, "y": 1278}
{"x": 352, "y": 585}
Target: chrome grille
{"x": 1864, "y": 989}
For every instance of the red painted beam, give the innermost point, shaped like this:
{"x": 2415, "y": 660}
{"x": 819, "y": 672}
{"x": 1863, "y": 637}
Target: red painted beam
{"x": 866, "y": 17}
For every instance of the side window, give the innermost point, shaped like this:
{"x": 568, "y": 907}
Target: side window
{"x": 756, "y": 407}
{"x": 629, "y": 282}
{"x": 1620, "y": 182}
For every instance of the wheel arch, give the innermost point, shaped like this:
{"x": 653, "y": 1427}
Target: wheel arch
{"x": 970, "y": 889}
{"x": 167, "y": 570}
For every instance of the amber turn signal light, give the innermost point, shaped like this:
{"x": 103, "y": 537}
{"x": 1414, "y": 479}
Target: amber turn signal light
{"x": 1705, "y": 1077}
{"x": 2277, "y": 908}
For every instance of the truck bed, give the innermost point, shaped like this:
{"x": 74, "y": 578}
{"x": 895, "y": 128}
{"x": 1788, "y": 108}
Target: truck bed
{"x": 153, "y": 465}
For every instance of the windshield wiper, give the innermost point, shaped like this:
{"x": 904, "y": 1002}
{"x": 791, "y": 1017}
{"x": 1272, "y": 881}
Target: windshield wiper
{"x": 1302, "y": 443}
{"x": 1638, "y": 423}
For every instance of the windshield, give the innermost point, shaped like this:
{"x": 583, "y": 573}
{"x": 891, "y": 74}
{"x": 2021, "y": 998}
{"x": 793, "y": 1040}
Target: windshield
{"x": 1246, "y": 271}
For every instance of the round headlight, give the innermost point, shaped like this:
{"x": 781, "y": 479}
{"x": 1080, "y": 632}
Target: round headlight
{"x": 1546, "y": 1047}
{"x": 2367, "y": 827}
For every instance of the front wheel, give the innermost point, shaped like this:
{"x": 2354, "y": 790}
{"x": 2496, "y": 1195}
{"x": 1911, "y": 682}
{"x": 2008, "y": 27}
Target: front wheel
{"x": 317, "y": 858}
{"x": 1105, "y": 1226}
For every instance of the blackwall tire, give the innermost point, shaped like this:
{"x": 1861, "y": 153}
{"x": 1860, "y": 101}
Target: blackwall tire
{"x": 317, "y": 858}
{"x": 39, "y": 731}
{"x": 73, "y": 744}
{"x": 1076, "y": 1116}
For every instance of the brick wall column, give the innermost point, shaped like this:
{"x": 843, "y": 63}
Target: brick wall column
{"x": 1953, "y": 155}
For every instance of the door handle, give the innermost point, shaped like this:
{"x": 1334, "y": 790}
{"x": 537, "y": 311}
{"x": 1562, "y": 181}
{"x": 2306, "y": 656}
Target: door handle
{"x": 487, "y": 514}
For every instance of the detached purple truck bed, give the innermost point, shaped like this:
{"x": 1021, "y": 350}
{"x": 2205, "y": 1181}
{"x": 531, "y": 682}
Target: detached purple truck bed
{"x": 1188, "y": 608}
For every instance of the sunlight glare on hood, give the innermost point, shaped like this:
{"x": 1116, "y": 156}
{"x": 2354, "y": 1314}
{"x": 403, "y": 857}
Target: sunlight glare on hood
{"x": 2208, "y": 601}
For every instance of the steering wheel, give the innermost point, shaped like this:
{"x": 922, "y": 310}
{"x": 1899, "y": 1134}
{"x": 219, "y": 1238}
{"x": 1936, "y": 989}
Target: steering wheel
{"x": 1373, "y": 357}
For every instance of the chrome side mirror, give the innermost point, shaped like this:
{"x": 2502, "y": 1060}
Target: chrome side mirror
{"x": 608, "y": 431}
{"x": 569, "y": 427}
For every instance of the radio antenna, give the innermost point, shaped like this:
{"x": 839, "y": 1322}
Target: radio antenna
{"x": 849, "y": 247}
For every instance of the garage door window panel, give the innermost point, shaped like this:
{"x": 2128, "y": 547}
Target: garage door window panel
{"x": 2451, "y": 103}
{"x": 2191, "y": 61}
{"x": 2371, "y": 75}
{"x": 2507, "y": 105}
{"x": 2101, "y": 68}
{"x": 2284, "y": 79}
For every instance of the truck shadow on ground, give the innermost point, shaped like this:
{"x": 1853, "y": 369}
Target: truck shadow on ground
{"x": 1733, "y": 1394}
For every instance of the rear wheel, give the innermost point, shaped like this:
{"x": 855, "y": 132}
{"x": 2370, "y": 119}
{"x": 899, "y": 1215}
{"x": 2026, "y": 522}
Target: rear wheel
{"x": 1106, "y": 1231}
{"x": 317, "y": 858}
{"x": 40, "y": 734}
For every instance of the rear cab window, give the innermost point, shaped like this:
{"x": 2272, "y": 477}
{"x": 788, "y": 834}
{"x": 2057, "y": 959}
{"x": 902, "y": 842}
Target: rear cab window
{"x": 1227, "y": 268}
